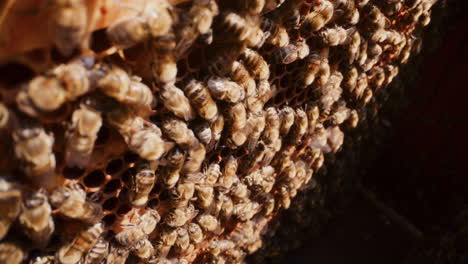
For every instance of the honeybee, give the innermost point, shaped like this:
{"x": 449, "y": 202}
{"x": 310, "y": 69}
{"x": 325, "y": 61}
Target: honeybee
{"x": 268, "y": 203}
{"x": 178, "y": 131}
{"x": 178, "y": 217}
{"x": 238, "y": 116}
{"x": 263, "y": 94}
{"x": 390, "y": 71}
{"x": 170, "y": 173}
{"x": 256, "y": 38}
{"x": 425, "y": 18}
{"x": 240, "y": 190}
{"x": 275, "y": 34}
{"x": 313, "y": 114}
{"x": 245, "y": 211}
{"x": 255, "y": 64}
{"x": 142, "y": 184}
{"x": 117, "y": 254}
{"x": 195, "y": 232}
{"x": 286, "y": 116}
{"x": 300, "y": 125}
{"x": 208, "y": 222}
{"x": 197, "y": 21}
{"x": 83, "y": 242}
{"x": 376, "y": 19}
{"x": 36, "y": 218}
{"x": 361, "y": 85}
{"x": 226, "y": 179}
{"x": 313, "y": 62}
{"x": 232, "y": 25}
{"x": 98, "y": 252}
{"x": 340, "y": 113}
{"x": 200, "y": 98}
{"x": 117, "y": 84}
{"x": 4, "y": 116}
{"x": 286, "y": 54}
{"x": 285, "y": 198}
{"x": 334, "y": 36}
{"x": 350, "y": 78}
{"x": 377, "y": 78}
{"x": 315, "y": 20}
{"x": 256, "y": 123}
{"x": 335, "y": 138}
{"x": 227, "y": 208}
{"x": 366, "y": 96}
{"x": 11, "y": 253}
{"x": 45, "y": 259}
{"x": 217, "y": 129}
{"x": 323, "y": 73}
{"x": 71, "y": 201}
{"x": 225, "y": 90}
{"x": 272, "y": 121}
{"x": 155, "y": 20}
{"x": 130, "y": 234}
{"x": 10, "y": 200}
{"x": 240, "y": 75}
{"x": 272, "y": 4}
{"x": 143, "y": 249}
{"x": 303, "y": 49}
{"x": 203, "y": 132}
{"x": 149, "y": 220}
{"x": 182, "y": 193}
{"x": 183, "y": 240}
{"x": 261, "y": 179}
{"x": 85, "y": 124}
{"x": 142, "y": 137}
{"x": 68, "y": 25}
{"x": 205, "y": 196}
{"x": 176, "y": 102}
{"x": 164, "y": 67}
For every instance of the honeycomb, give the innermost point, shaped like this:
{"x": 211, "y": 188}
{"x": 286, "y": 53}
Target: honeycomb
{"x": 179, "y": 131}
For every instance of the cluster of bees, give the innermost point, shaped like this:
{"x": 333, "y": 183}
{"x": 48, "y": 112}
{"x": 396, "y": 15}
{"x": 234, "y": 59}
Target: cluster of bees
{"x": 195, "y": 128}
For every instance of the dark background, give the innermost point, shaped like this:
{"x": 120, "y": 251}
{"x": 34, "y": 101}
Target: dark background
{"x": 420, "y": 169}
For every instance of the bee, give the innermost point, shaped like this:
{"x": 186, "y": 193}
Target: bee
{"x": 256, "y": 123}
{"x": 196, "y": 22}
{"x": 130, "y": 234}
{"x": 71, "y": 201}
{"x": 171, "y": 172}
{"x": 205, "y": 195}
{"x": 376, "y": 18}
{"x": 250, "y": 7}
{"x": 313, "y": 114}
{"x": 10, "y": 201}
{"x": 390, "y": 72}
{"x": 263, "y": 94}
{"x": 176, "y": 102}
{"x": 36, "y": 218}
{"x": 4, "y": 116}
{"x": 41, "y": 94}
{"x": 217, "y": 129}
{"x": 335, "y": 138}
{"x": 323, "y": 73}
{"x": 195, "y": 232}
{"x": 350, "y": 78}
{"x": 207, "y": 38}
{"x": 83, "y": 242}
{"x": 181, "y": 194}
{"x": 352, "y": 48}
{"x": 143, "y": 249}
{"x": 68, "y": 25}
{"x": 340, "y": 113}
{"x": 334, "y": 36}
{"x": 285, "y": 198}
{"x": 183, "y": 240}
{"x": 200, "y": 97}
{"x": 268, "y": 203}
{"x": 377, "y": 78}
{"x": 362, "y": 3}
{"x": 238, "y": 116}
{"x": 286, "y": 55}
{"x": 208, "y": 222}
{"x": 275, "y": 34}
{"x": 315, "y": 20}
{"x": 45, "y": 259}
{"x": 313, "y": 62}
{"x": 81, "y": 135}
{"x": 142, "y": 184}
{"x": 178, "y": 217}
{"x": 232, "y": 25}
{"x": 98, "y": 252}
{"x": 178, "y": 131}
{"x": 117, "y": 84}
{"x": 272, "y": 121}
{"x": 11, "y": 253}
{"x": 240, "y": 190}
{"x": 425, "y": 18}
{"x": 270, "y": 152}
{"x": 227, "y": 208}
{"x": 225, "y": 90}
{"x": 286, "y": 116}
{"x": 203, "y": 132}
{"x": 256, "y": 38}
{"x": 300, "y": 126}
{"x": 212, "y": 174}
{"x": 149, "y": 220}
{"x": 271, "y": 5}
{"x": 154, "y": 21}
{"x": 255, "y": 64}
{"x": 142, "y": 137}
{"x": 240, "y": 75}
{"x": 226, "y": 179}
{"x": 366, "y": 96}
{"x": 166, "y": 240}
{"x": 261, "y": 179}
{"x": 246, "y": 210}
{"x": 164, "y": 67}
{"x": 117, "y": 254}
